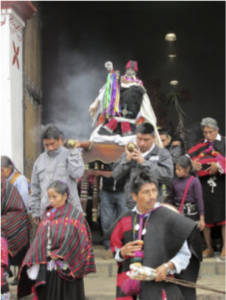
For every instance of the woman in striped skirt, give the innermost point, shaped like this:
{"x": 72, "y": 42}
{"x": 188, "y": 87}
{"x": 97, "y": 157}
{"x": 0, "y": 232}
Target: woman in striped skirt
{"x": 61, "y": 253}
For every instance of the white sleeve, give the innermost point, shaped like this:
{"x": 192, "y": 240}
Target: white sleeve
{"x": 117, "y": 256}
{"x": 181, "y": 259}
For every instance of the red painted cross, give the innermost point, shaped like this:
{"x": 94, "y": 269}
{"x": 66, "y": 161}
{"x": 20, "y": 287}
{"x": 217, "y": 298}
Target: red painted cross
{"x": 15, "y": 58}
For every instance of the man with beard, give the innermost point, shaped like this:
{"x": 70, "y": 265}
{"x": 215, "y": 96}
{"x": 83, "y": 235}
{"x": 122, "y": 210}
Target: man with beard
{"x": 56, "y": 163}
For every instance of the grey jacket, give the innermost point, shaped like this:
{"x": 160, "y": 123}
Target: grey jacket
{"x": 158, "y": 162}
{"x": 65, "y": 165}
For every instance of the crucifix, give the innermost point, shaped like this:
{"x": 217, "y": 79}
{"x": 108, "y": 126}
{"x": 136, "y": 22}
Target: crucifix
{"x": 125, "y": 112}
{"x": 212, "y": 183}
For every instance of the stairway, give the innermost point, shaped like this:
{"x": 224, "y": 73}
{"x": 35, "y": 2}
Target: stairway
{"x": 102, "y": 285}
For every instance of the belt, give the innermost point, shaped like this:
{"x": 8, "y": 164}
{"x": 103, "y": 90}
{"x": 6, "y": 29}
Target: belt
{"x": 189, "y": 208}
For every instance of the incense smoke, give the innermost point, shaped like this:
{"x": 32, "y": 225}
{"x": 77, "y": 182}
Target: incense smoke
{"x": 73, "y": 92}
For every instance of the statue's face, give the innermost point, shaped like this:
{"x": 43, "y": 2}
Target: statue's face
{"x": 130, "y": 72}
{"x": 109, "y": 65}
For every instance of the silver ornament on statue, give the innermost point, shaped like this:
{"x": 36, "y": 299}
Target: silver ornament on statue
{"x": 144, "y": 231}
{"x": 137, "y": 227}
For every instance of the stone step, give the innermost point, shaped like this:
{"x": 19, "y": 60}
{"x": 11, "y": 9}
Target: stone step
{"x": 212, "y": 266}
{"x": 212, "y": 274}
{"x": 216, "y": 282}
{"x": 102, "y": 285}
{"x": 105, "y": 288}
{"x": 108, "y": 267}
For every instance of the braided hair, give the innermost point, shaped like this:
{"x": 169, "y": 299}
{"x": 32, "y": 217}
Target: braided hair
{"x": 6, "y": 162}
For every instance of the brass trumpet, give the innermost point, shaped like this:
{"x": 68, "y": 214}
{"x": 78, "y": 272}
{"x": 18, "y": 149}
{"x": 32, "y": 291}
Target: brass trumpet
{"x": 131, "y": 147}
{"x": 71, "y": 143}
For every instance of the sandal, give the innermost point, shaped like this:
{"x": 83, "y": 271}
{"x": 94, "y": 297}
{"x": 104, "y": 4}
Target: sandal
{"x": 223, "y": 255}
{"x": 207, "y": 253}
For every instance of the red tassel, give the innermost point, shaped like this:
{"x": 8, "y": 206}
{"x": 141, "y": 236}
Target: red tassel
{"x": 126, "y": 128}
{"x": 131, "y": 287}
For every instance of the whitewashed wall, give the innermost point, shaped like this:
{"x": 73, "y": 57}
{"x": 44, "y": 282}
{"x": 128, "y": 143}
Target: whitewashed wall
{"x": 12, "y": 87}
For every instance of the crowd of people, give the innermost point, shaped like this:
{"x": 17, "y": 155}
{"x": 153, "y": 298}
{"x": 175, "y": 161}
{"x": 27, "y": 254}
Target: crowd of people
{"x": 152, "y": 210}
{"x": 53, "y": 265}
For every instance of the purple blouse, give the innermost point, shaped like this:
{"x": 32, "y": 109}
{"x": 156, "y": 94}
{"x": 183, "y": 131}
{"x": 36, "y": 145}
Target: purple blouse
{"x": 194, "y": 194}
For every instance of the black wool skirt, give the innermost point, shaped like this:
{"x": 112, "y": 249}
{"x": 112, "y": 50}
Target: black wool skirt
{"x": 19, "y": 257}
{"x": 57, "y": 288}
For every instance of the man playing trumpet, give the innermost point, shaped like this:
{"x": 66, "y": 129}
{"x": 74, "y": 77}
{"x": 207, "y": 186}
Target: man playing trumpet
{"x": 147, "y": 156}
